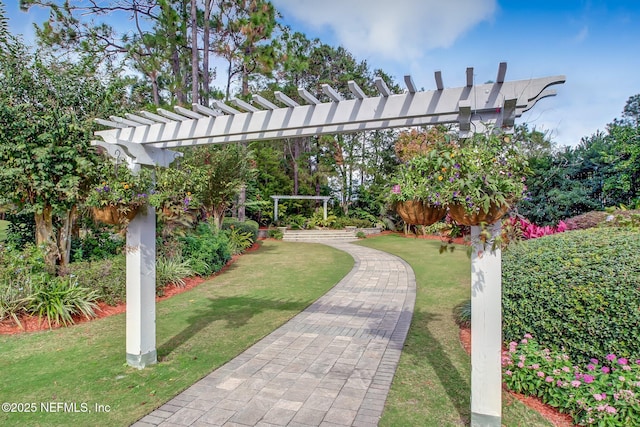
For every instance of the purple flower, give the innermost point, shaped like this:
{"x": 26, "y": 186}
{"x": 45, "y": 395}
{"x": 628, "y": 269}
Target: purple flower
{"x": 594, "y": 361}
{"x": 606, "y": 369}
{"x": 623, "y": 361}
{"x": 591, "y": 367}
{"x": 588, "y": 379}
{"x": 611, "y": 357}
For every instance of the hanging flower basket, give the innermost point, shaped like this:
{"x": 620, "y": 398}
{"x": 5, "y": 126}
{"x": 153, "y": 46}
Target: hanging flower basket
{"x": 462, "y": 216}
{"x": 115, "y": 215}
{"x": 418, "y": 212}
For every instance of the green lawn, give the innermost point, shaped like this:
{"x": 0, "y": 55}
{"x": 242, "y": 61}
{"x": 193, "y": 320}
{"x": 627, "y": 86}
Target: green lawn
{"x": 3, "y": 230}
{"x": 433, "y": 381}
{"x": 201, "y": 329}
{"x": 197, "y": 332}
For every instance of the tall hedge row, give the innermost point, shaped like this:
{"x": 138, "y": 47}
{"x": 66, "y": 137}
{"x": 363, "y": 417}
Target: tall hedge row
{"x": 579, "y": 290}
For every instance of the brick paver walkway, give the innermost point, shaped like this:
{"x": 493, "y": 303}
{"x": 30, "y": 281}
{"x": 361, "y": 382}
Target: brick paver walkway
{"x": 331, "y": 365}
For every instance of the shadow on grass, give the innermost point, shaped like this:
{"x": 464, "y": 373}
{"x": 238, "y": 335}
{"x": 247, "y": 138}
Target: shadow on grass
{"x": 427, "y": 347}
{"x": 236, "y": 311}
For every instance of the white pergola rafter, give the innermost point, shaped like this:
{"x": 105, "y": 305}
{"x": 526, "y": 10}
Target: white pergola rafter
{"x": 147, "y": 138}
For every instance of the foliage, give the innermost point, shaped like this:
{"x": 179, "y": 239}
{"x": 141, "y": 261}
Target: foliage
{"x": 21, "y": 230}
{"x": 96, "y": 244}
{"x": 579, "y": 290}
{"x": 60, "y": 299}
{"x": 171, "y": 272}
{"x": 206, "y": 249}
{"x": 484, "y": 170}
{"x": 275, "y": 233}
{"x": 462, "y": 314}
{"x": 600, "y": 392}
{"x": 107, "y": 277}
{"x": 528, "y": 230}
{"x": 119, "y": 186}
{"x": 361, "y": 235}
{"x": 238, "y": 241}
{"x": 247, "y": 226}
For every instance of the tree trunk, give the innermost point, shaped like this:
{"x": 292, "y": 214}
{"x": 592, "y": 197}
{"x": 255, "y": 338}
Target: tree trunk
{"x": 45, "y": 237}
{"x": 194, "y": 52}
{"x": 64, "y": 237}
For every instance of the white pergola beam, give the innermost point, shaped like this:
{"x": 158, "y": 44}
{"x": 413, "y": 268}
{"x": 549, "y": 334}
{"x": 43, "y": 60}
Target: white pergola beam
{"x": 171, "y": 115}
{"x": 356, "y": 90}
{"x": 285, "y": 99}
{"x": 331, "y": 93}
{"x": 411, "y": 86}
{"x": 308, "y": 97}
{"x": 205, "y": 110}
{"x": 124, "y": 121}
{"x": 110, "y": 123}
{"x": 154, "y": 117}
{"x": 225, "y": 108}
{"x": 244, "y": 105}
{"x": 502, "y": 72}
{"x": 187, "y": 113}
{"x": 141, "y": 120}
{"x": 438, "y": 76}
{"x": 264, "y": 102}
{"x": 382, "y": 87}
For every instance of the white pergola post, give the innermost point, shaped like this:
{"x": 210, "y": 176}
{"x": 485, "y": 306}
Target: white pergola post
{"x": 486, "y": 330}
{"x": 275, "y": 209}
{"x": 141, "y": 289}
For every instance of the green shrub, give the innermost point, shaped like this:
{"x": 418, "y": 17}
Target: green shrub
{"x": 62, "y": 298}
{"x": 275, "y": 233}
{"x": 238, "y": 241}
{"x": 21, "y": 271}
{"x": 206, "y": 249}
{"x": 171, "y": 272}
{"x": 21, "y": 229}
{"x": 248, "y": 226}
{"x": 579, "y": 290}
{"x": 107, "y": 277}
{"x": 462, "y": 314}
{"x": 97, "y": 245}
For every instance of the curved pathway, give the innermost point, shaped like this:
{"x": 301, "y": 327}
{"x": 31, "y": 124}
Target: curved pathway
{"x": 331, "y": 365}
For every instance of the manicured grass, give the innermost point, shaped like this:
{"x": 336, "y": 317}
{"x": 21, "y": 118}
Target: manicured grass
{"x": 3, "y": 230}
{"x": 432, "y": 385}
{"x": 197, "y": 331}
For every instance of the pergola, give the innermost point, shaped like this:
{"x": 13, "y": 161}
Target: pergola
{"x": 277, "y": 198}
{"x": 147, "y": 138}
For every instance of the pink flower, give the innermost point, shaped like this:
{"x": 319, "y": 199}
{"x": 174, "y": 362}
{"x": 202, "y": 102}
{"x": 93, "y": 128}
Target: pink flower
{"x": 605, "y": 369}
{"x": 508, "y": 372}
{"x": 559, "y": 383}
{"x": 588, "y": 379}
{"x": 535, "y": 366}
{"x": 540, "y": 374}
{"x": 594, "y": 361}
{"x": 566, "y": 369}
{"x": 524, "y": 341}
{"x": 611, "y": 357}
{"x": 396, "y": 189}
{"x": 591, "y": 367}
{"x": 622, "y": 361}
{"x": 520, "y": 365}
{"x": 575, "y": 383}
{"x": 528, "y": 336}
{"x": 599, "y": 396}
{"x": 549, "y": 379}
{"x": 611, "y": 409}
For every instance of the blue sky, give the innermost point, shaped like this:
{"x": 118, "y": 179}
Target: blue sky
{"x": 593, "y": 43}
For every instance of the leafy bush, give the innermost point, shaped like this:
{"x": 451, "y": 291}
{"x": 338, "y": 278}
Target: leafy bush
{"x": 248, "y": 226}
{"x": 206, "y": 249}
{"x": 171, "y": 272}
{"x": 107, "y": 277}
{"x": 275, "y": 233}
{"x": 603, "y": 392}
{"x": 62, "y": 298}
{"x": 238, "y": 241}
{"x": 97, "y": 245}
{"x": 21, "y": 230}
{"x": 21, "y": 271}
{"x": 579, "y": 290}
{"x": 462, "y": 314}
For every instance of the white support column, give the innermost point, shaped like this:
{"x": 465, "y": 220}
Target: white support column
{"x": 275, "y": 209}
{"x": 486, "y": 330}
{"x": 141, "y": 289}
{"x": 324, "y": 207}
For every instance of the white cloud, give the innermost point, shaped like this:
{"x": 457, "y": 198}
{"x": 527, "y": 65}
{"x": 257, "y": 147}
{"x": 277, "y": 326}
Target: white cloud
{"x": 402, "y": 29}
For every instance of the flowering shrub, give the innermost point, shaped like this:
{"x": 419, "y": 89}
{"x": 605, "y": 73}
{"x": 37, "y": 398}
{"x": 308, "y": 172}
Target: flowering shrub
{"x": 528, "y": 230}
{"x": 120, "y": 187}
{"x": 603, "y": 392}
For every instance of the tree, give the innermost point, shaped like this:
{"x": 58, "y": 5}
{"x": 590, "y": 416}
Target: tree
{"x": 216, "y": 175}
{"x": 46, "y": 162}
